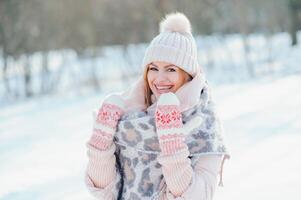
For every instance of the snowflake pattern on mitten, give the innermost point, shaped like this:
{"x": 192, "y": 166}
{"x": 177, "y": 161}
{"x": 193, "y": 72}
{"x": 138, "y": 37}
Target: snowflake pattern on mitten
{"x": 168, "y": 116}
{"x": 105, "y": 126}
{"x": 109, "y": 115}
{"x": 169, "y": 125}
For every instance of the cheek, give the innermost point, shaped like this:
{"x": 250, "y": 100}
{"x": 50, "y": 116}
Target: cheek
{"x": 176, "y": 79}
{"x": 150, "y": 78}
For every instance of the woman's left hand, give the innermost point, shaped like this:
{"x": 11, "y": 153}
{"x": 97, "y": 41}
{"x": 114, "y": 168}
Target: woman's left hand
{"x": 169, "y": 124}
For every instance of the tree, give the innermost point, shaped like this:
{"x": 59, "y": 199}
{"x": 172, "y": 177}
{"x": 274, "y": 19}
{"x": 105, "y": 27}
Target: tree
{"x": 295, "y": 9}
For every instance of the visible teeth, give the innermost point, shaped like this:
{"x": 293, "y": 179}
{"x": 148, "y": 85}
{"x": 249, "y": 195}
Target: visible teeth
{"x": 163, "y": 87}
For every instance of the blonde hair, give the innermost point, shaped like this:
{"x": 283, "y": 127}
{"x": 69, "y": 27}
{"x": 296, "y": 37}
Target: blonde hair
{"x": 148, "y": 92}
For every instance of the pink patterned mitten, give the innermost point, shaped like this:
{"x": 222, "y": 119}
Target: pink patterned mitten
{"x": 106, "y": 122}
{"x": 169, "y": 124}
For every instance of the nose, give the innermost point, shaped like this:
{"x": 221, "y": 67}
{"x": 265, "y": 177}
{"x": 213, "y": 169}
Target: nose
{"x": 161, "y": 77}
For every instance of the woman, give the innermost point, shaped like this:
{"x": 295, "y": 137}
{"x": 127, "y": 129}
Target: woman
{"x": 161, "y": 139}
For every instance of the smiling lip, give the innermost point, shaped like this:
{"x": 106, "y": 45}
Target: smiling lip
{"x": 163, "y": 89}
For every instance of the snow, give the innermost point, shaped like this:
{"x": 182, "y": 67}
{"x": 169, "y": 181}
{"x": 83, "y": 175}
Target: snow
{"x": 42, "y": 140}
{"x": 43, "y": 146}
{"x": 263, "y": 122}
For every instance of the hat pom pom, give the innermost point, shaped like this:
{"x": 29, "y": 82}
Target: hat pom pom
{"x": 175, "y": 22}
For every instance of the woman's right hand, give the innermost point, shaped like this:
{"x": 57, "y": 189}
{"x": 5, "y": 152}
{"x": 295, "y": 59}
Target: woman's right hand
{"x": 106, "y": 122}
{"x": 110, "y": 111}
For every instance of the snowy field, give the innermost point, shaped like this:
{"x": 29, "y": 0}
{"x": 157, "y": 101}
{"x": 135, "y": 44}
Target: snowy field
{"x": 42, "y": 140}
{"x": 263, "y": 127}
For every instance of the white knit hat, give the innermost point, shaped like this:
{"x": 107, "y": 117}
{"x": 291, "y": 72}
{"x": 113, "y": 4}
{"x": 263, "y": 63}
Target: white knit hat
{"x": 175, "y": 44}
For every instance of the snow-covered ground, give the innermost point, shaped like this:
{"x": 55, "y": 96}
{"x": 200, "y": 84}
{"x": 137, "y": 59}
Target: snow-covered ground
{"x": 43, "y": 153}
{"x": 263, "y": 128}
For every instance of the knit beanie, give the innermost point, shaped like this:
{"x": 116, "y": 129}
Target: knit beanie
{"x": 174, "y": 44}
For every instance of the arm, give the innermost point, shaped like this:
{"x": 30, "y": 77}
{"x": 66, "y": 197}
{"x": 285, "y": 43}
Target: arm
{"x": 101, "y": 174}
{"x": 176, "y": 166}
{"x": 179, "y": 175}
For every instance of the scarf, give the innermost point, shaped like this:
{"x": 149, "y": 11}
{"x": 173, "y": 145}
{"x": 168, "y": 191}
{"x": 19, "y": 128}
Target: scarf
{"x": 138, "y": 146}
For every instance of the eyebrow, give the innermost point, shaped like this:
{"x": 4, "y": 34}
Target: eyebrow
{"x": 171, "y": 65}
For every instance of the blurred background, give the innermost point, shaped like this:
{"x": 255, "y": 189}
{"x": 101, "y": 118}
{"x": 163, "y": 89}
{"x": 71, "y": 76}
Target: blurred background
{"x": 59, "y": 58}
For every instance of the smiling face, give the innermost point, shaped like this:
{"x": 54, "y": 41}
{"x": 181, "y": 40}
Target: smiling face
{"x": 163, "y": 77}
